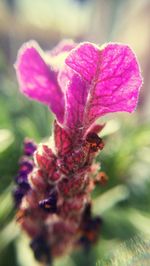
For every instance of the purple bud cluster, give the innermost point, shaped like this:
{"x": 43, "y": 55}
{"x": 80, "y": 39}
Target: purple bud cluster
{"x": 25, "y": 167}
{"x": 56, "y": 207}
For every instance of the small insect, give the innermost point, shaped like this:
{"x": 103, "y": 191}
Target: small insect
{"x": 96, "y": 143}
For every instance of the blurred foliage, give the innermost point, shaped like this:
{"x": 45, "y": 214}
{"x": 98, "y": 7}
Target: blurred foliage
{"x": 124, "y": 202}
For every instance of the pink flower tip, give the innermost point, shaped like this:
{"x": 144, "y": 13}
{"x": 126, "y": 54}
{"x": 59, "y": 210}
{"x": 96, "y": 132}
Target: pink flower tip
{"x": 90, "y": 83}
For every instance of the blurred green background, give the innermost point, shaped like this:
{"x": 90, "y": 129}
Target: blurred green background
{"x": 124, "y": 203}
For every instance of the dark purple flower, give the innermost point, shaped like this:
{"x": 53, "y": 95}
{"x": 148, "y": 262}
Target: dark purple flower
{"x": 25, "y": 167}
{"x": 49, "y": 204}
{"x": 29, "y": 147}
{"x": 19, "y": 192}
{"x": 41, "y": 249}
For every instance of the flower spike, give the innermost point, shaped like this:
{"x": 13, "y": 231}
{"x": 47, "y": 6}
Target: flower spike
{"x": 54, "y": 182}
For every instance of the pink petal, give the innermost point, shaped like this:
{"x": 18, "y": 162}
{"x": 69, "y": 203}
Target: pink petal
{"x": 57, "y": 58}
{"x": 112, "y": 77}
{"x": 76, "y": 98}
{"x": 65, "y": 75}
{"x": 37, "y": 80}
{"x": 63, "y": 141}
{"x": 63, "y": 46}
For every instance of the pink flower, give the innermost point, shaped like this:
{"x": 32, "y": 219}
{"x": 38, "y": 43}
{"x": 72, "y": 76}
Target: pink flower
{"x": 79, "y": 83}
{"x": 91, "y": 81}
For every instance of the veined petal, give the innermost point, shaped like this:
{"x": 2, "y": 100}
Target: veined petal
{"x": 63, "y": 141}
{"x": 111, "y": 76}
{"x": 38, "y": 80}
{"x": 76, "y": 98}
{"x": 65, "y": 76}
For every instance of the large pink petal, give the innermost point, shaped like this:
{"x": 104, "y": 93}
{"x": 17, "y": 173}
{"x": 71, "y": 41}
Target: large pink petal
{"x": 37, "y": 80}
{"x": 111, "y": 75}
{"x": 76, "y": 98}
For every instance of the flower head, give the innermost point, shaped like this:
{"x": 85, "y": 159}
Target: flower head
{"x": 91, "y": 81}
{"x": 79, "y": 83}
